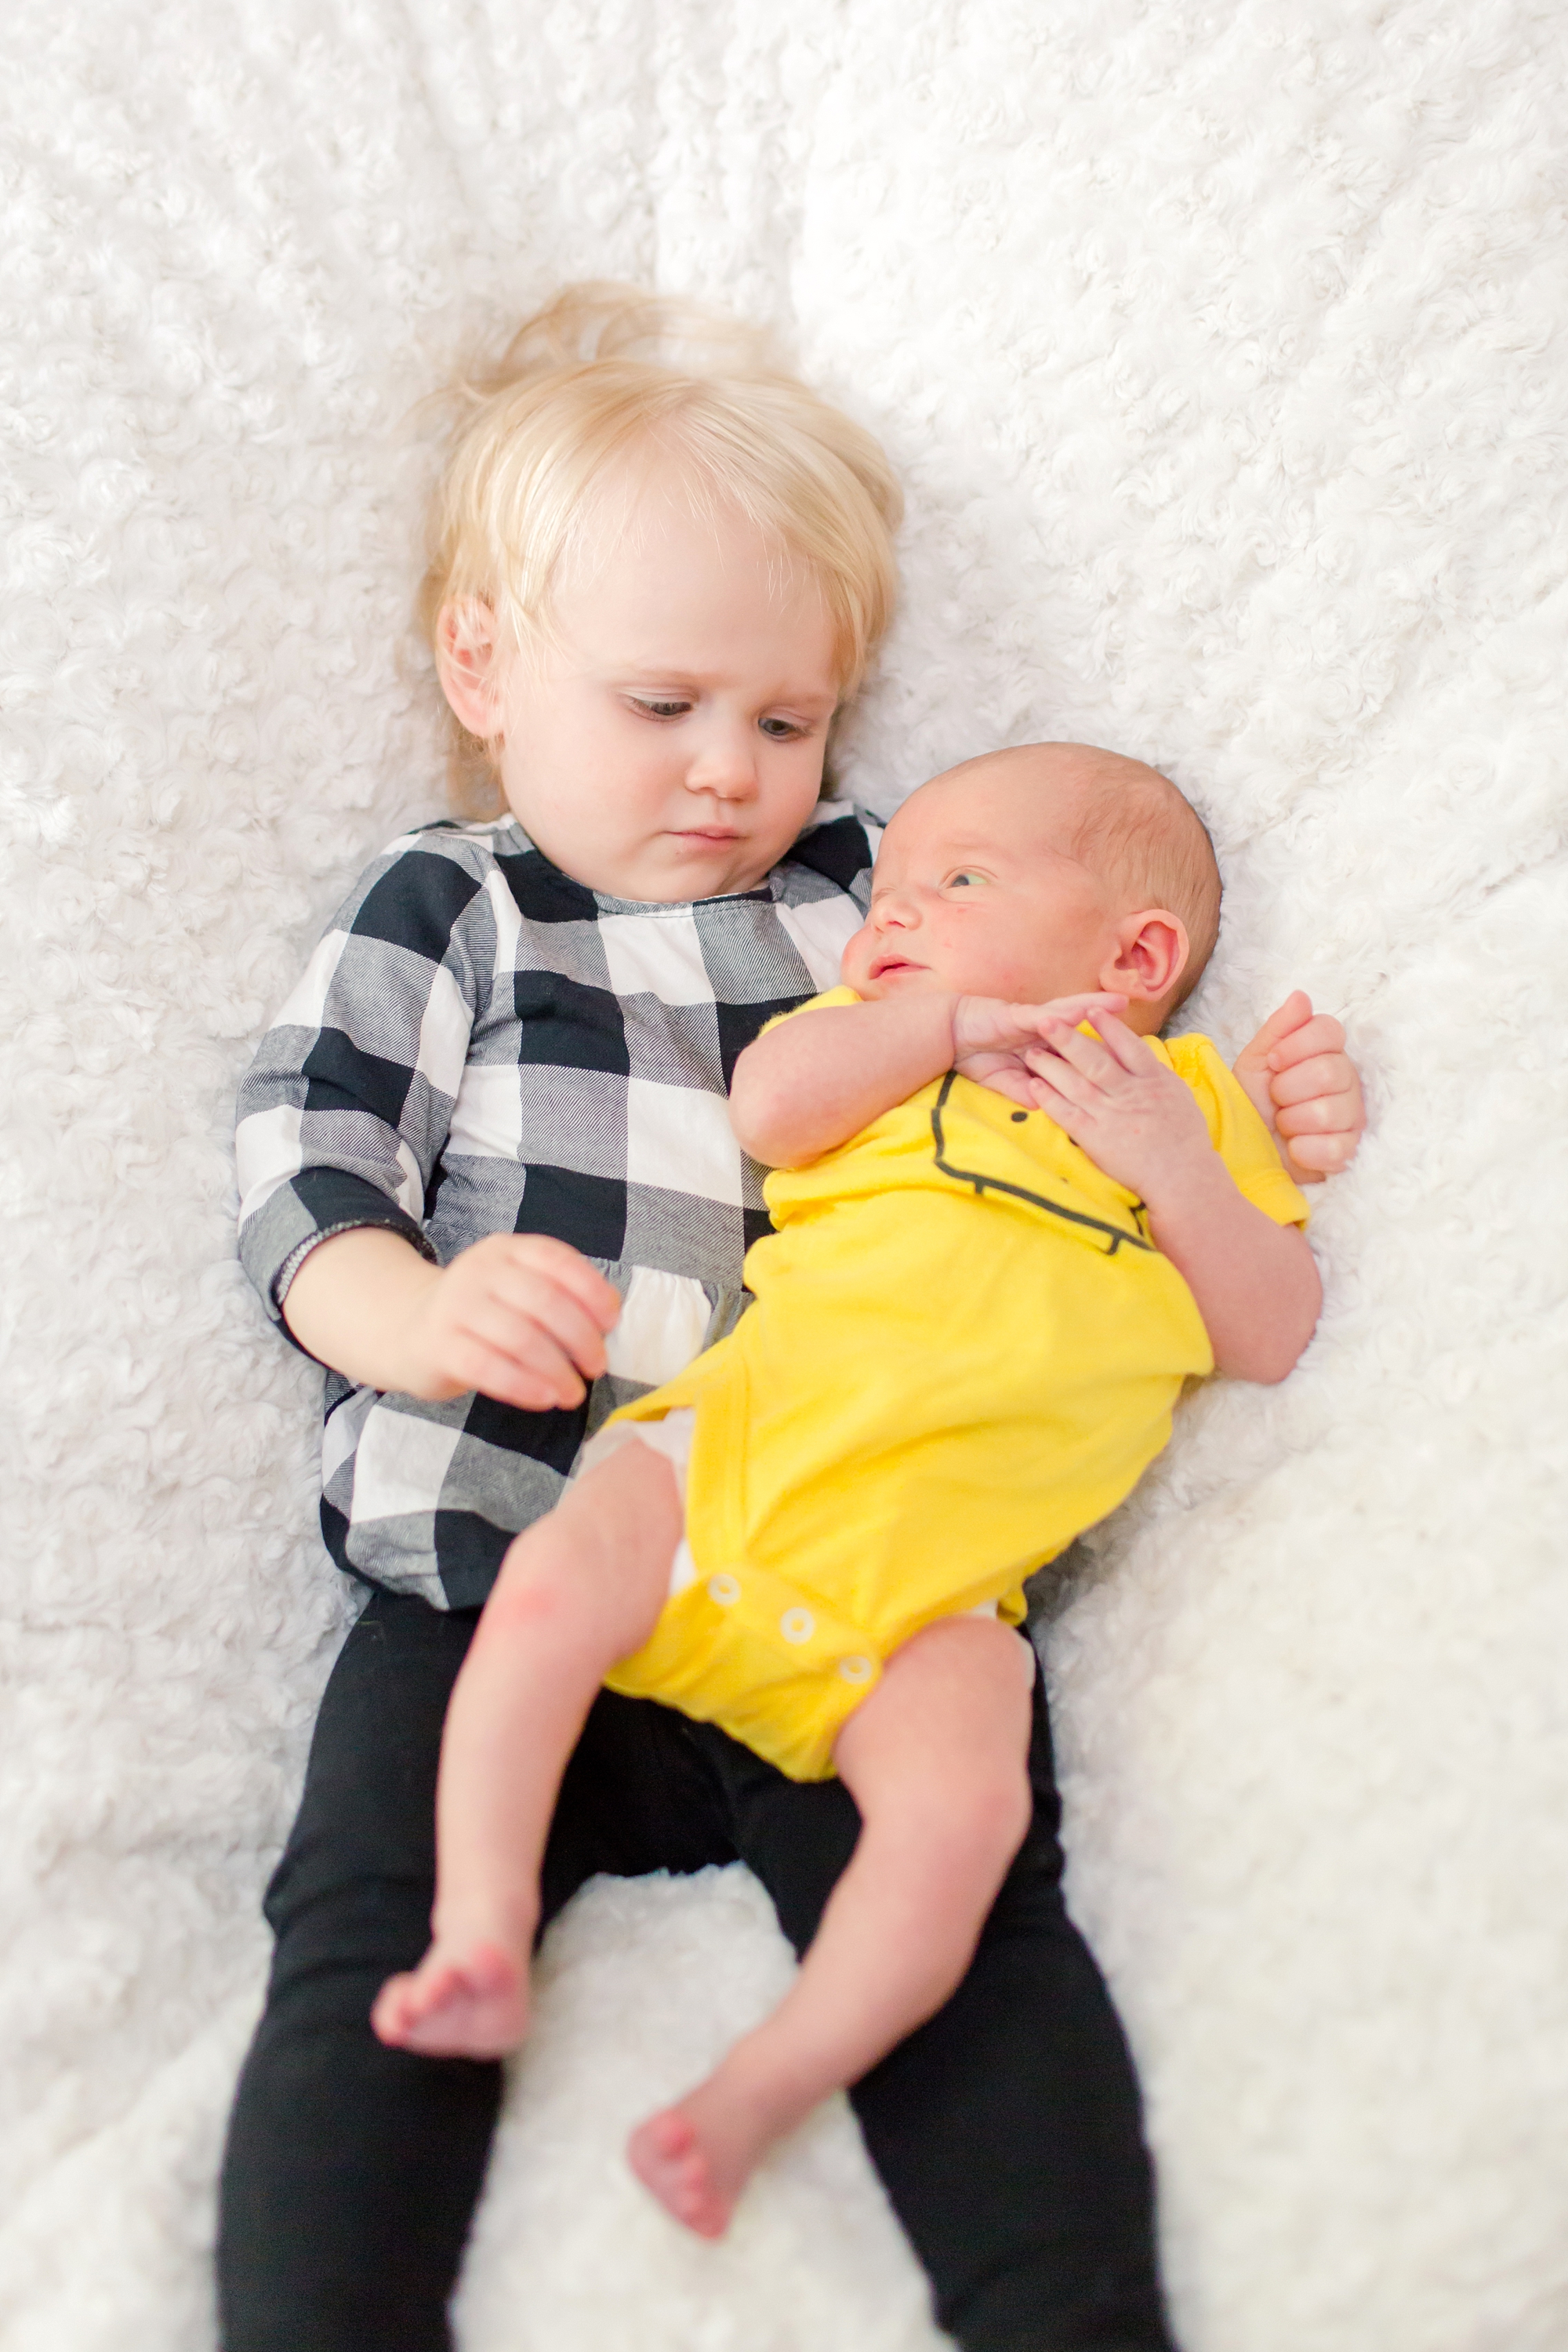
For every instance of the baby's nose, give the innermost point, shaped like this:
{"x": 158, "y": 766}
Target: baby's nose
{"x": 894, "y": 910}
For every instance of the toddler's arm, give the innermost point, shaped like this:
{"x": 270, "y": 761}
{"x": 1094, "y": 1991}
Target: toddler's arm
{"x": 519, "y": 1316}
{"x": 344, "y": 1116}
{"x": 812, "y": 1082}
{"x": 1255, "y": 1282}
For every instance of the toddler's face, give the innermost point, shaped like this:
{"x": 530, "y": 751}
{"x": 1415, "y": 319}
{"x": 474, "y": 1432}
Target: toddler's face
{"x": 973, "y": 894}
{"x": 669, "y": 743}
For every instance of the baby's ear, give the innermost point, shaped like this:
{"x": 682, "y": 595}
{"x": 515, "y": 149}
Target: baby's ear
{"x": 1151, "y": 956}
{"x": 469, "y": 666}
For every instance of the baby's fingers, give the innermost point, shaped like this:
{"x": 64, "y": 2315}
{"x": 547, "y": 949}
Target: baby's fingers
{"x": 1053, "y": 1066}
{"x": 1074, "y": 1008}
{"x": 1099, "y": 1055}
{"x": 1048, "y": 1095}
{"x": 1010, "y": 1080}
{"x": 1126, "y": 1048}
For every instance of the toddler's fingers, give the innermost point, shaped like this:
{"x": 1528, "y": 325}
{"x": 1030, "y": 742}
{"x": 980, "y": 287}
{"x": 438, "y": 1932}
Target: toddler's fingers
{"x": 1313, "y": 1157}
{"x": 1320, "y": 1034}
{"x": 568, "y": 1269}
{"x": 1289, "y": 1017}
{"x": 1324, "y": 1074}
{"x": 529, "y": 1299}
{"x": 1322, "y": 1115}
{"x": 551, "y": 1335}
{"x": 475, "y": 1363}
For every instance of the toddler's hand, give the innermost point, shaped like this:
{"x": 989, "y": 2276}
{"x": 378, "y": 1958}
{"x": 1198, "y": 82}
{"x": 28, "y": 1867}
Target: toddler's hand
{"x": 991, "y": 1040}
{"x": 1302, "y": 1082}
{"x": 520, "y": 1317}
{"x": 1133, "y": 1116}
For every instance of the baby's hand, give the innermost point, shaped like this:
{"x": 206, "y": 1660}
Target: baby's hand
{"x": 1132, "y": 1114}
{"x": 520, "y": 1317}
{"x": 991, "y": 1040}
{"x": 1302, "y": 1082}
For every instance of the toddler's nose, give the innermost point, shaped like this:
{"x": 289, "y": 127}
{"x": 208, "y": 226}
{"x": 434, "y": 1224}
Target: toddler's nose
{"x": 725, "y": 764}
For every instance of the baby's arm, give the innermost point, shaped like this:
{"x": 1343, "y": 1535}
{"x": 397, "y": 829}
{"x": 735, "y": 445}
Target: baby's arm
{"x": 814, "y": 1081}
{"x": 1255, "y": 1282}
{"x": 519, "y": 1316}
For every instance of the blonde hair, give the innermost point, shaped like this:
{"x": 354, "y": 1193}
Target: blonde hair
{"x": 604, "y": 375}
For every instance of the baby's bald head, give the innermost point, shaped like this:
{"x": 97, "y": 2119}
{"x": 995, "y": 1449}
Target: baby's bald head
{"x": 1123, "y": 821}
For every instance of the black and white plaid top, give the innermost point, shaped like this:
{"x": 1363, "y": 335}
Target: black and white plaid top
{"x": 479, "y": 1046}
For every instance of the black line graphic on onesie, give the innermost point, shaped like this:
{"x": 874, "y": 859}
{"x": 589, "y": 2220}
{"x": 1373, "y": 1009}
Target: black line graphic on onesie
{"x": 983, "y": 1184}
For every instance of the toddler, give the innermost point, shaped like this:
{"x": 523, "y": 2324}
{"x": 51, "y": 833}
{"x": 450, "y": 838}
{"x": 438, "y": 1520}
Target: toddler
{"x": 489, "y": 1181}
{"x": 1004, "y": 1241}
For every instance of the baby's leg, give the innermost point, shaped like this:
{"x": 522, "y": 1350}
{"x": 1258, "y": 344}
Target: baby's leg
{"x": 936, "y": 1759}
{"x": 579, "y": 1590}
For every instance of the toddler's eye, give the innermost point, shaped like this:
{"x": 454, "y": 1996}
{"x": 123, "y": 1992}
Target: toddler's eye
{"x": 779, "y": 731}
{"x": 658, "y": 708}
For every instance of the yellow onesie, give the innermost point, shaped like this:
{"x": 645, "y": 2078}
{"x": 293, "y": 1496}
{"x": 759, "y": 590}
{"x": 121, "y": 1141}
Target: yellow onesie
{"x": 964, "y": 1350}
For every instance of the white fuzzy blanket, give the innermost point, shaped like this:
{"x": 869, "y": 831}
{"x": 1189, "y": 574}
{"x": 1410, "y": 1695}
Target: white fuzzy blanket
{"x": 1223, "y": 351}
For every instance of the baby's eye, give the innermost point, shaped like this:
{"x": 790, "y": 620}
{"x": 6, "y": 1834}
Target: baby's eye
{"x": 966, "y": 879}
{"x": 781, "y": 731}
{"x": 659, "y": 706}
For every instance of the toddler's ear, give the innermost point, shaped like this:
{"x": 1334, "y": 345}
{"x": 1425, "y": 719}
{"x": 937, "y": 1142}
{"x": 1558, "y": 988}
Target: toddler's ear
{"x": 469, "y": 665}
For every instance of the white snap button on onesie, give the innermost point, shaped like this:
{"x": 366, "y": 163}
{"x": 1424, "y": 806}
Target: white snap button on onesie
{"x": 724, "y": 1590}
{"x": 797, "y": 1625}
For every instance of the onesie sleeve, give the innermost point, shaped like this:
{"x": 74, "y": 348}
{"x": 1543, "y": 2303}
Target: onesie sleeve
{"x": 840, "y": 995}
{"x": 344, "y": 1110}
{"x": 1238, "y": 1133}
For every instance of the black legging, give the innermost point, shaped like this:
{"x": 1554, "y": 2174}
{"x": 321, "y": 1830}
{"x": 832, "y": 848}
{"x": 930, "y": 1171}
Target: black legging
{"x": 1006, "y": 2129}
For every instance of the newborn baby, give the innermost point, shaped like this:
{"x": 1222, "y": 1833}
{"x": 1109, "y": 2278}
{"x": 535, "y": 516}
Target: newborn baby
{"x": 1009, "y": 1224}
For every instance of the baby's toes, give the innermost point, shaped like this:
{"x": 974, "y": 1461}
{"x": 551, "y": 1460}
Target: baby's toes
{"x": 393, "y": 2010}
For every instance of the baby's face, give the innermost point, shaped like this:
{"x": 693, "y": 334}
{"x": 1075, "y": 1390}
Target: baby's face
{"x": 975, "y": 893}
{"x": 667, "y": 744}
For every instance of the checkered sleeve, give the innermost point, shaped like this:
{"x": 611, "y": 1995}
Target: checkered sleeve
{"x": 482, "y": 1044}
{"x": 343, "y": 1113}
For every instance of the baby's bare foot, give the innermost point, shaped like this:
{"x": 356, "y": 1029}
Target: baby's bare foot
{"x": 461, "y": 2002}
{"x": 698, "y": 2157}
{"x": 667, "y": 2156}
